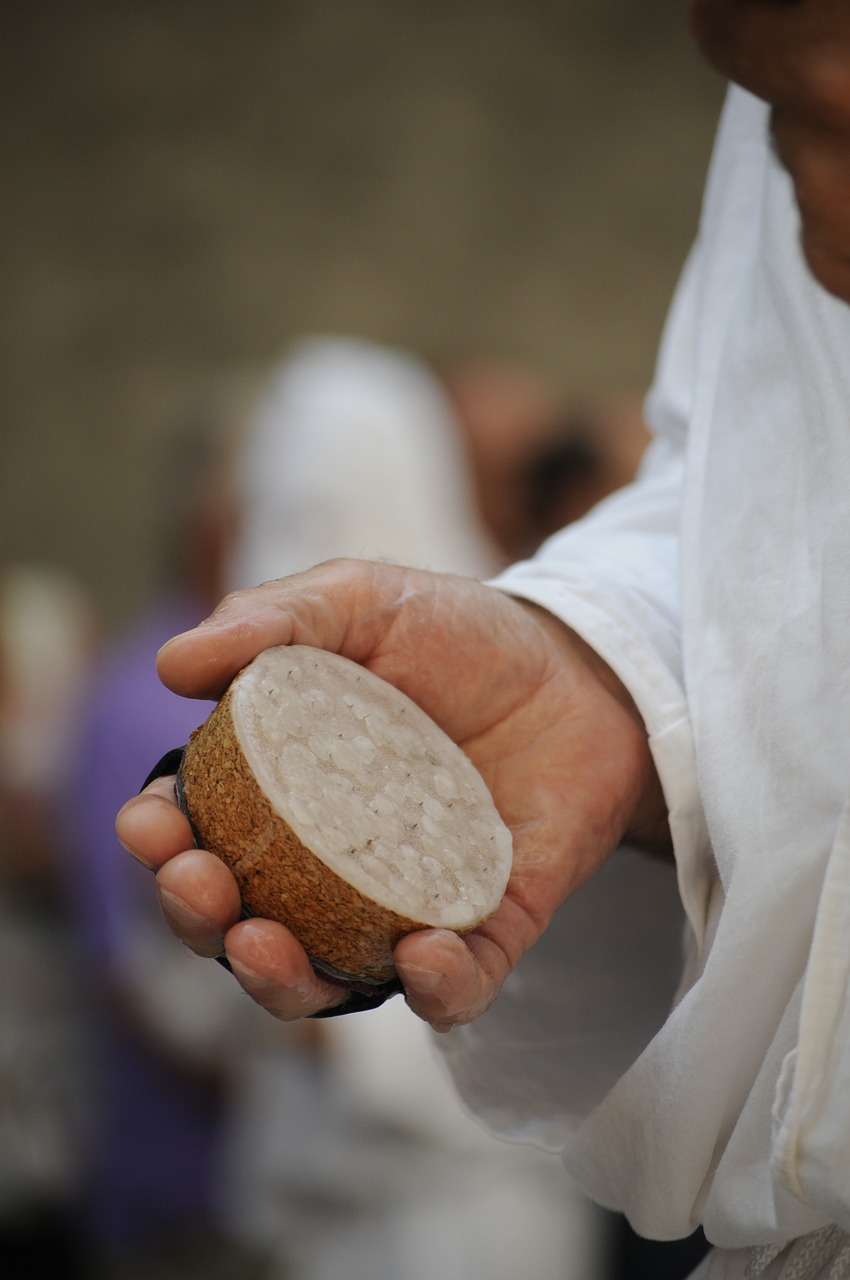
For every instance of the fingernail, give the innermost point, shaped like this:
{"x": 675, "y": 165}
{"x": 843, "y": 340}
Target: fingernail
{"x": 179, "y": 911}
{"x": 250, "y": 976}
{"x": 175, "y": 639}
{"x": 134, "y": 853}
{"x": 422, "y": 979}
{"x": 299, "y": 1000}
{"x": 228, "y": 608}
{"x": 260, "y": 982}
{"x": 218, "y": 618}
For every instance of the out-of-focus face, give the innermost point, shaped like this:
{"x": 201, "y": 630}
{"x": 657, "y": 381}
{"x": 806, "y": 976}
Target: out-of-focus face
{"x": 539, "y": 463}
{"x": 507, "y": 413}
{"x": 605, "y": 442}
{"x": 47, "y": 637}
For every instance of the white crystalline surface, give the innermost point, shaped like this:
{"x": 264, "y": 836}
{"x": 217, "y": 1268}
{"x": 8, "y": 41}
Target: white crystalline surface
{"x": 372, "y": 786}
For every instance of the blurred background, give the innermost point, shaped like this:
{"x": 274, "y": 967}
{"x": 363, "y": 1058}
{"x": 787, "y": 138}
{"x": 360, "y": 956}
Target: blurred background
{"x": 499, "y": 189}
{"x": 189, "y": 183}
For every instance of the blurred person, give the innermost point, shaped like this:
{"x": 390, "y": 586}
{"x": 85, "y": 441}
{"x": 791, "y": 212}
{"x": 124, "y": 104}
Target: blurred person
{"x": 353, "y": 445}
{"x": 47, "y": 632}
{"x": 670, "y": 676}
{"x": 538, "y": 461}
{"x": 468, "y": 463}
{"x": 166, "y": 1055}
{"x": 597, "y": 450}
{"x": 47, "y": 636}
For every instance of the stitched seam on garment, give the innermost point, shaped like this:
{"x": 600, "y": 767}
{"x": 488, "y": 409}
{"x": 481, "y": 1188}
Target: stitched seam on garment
{"x": 807, "y": 1257}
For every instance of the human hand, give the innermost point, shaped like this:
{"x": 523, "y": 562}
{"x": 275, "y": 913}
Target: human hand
{"x": 795, "y": 54}
{"x": 553, "y": 733}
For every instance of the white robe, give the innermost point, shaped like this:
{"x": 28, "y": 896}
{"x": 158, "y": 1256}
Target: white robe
{"x": 683, "y": 1035}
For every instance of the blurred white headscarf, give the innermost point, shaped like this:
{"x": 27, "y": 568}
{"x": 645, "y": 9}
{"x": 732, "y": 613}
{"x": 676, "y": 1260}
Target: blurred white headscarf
{"x": 354, "y": 451}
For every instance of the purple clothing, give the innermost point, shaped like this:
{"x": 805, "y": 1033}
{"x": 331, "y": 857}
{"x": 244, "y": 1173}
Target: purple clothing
{"x": 156, "y": 1130}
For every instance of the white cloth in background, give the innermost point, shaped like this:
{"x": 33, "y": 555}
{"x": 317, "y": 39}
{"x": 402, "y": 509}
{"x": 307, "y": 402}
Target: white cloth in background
{"x": 718, "y": 587}
{"x": 354, "y": 451}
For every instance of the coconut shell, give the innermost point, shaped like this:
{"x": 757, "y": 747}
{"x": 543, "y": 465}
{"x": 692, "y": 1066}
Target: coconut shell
{"x": 272, "y": 808}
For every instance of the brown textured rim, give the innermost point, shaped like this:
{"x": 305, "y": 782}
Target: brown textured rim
{"x": 364, "y": 993}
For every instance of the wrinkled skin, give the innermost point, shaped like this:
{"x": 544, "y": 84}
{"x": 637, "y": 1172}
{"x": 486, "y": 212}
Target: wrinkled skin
{"x": 550, "y": 728}
{"x": 795, "y": 55}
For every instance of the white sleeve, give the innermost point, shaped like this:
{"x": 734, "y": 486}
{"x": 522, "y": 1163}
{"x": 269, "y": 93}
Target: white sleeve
{"x": 716, "y": 588}
{"x": 590, "y": 1007}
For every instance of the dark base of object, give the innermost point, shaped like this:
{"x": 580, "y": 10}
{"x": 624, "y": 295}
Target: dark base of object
{"x": 44, "y": 1242}
{"x": 633, "y": 1258}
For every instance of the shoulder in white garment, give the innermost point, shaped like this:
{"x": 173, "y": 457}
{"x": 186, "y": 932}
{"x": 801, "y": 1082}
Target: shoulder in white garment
{"x": 716, "y": 587}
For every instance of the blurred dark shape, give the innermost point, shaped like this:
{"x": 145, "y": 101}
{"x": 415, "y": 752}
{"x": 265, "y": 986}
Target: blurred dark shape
{"x": 630, "y": 1257}
{"x": 46, "y": 634}
{"x": 593, "y": 451}
{"x": 540, "y": 459}
{"x": 150, "y": 1186}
